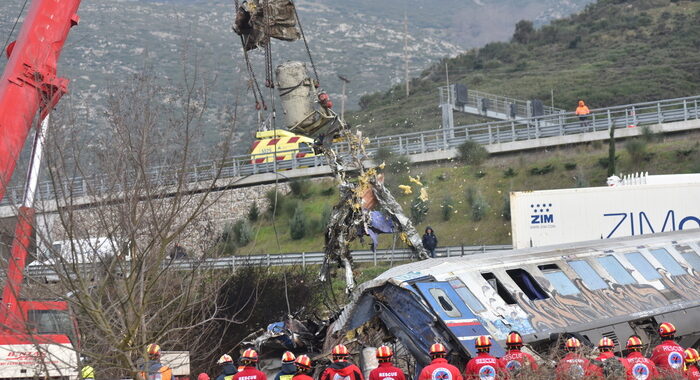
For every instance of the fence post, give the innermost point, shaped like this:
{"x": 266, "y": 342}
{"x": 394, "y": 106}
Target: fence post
{"x": 610, "y": 125}
{"x": 268, "y": 259}
{"x": 512, "y": 130}
{"x": 233, "y": 263}
{"x": 448, "y": 251}
{"x": 303, "y": 259}
{"x": 685, "y": 110}
{"x": 658, "y": 112}
{"x": 374, "y": 254}
{"x": 422, "y": 143}
{"x": 462, "y": 249}
{"x": 490, "y": 135}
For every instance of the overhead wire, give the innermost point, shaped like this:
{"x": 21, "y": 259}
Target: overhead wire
{"x": 9, "y": 35}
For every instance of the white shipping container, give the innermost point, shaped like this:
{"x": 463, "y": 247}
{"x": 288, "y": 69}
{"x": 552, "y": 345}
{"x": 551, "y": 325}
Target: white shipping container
{"x": 549, "y": 217}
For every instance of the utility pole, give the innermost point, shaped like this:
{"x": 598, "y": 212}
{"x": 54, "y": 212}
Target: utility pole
{"x": 342, "y": 100}
{"x": 405, "y": 50}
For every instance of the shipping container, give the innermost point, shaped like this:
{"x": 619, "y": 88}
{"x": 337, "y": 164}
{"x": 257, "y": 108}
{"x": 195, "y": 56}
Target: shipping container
{"x": 547, "y": 217}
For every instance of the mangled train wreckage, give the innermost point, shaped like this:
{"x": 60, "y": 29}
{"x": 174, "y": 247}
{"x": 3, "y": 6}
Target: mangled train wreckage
{"x": 612, "y": 288}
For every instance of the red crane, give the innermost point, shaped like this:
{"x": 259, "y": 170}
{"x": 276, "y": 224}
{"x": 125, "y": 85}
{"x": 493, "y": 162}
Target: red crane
{"x": 29, "y": 90}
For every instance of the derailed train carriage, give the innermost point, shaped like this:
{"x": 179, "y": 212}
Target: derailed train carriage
{"x": 607, "y": 288}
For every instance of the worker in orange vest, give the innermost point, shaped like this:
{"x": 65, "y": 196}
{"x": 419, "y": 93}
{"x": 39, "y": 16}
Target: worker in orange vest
{"x": 582, "y": 110}
{"x": 153, "y": 369}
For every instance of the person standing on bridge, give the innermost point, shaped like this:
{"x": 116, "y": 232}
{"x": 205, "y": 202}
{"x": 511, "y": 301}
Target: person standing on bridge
{"x": 386, "y": 370}
{"x": 668, "y": 356}
{"x": 341, "y": 368}
{"x": 248, "y": 360}
{"x": 582, "y": 112}
{"x": 430, "y": 241}
{"x": 439, "y": 368}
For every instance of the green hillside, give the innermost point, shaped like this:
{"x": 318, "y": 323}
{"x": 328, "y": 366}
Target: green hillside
{"x": 581, "y": 165}
{"x": 613, "y": 52}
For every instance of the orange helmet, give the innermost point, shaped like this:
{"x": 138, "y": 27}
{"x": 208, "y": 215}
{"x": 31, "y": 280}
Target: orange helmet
{"x": 340, "y": 353}
{"x": 606, "y": 343}
{"x": 634, "y": 343}
{"x": 437, "y": 349}
{"x": 691, "y": 356}
{"x": 667, "y": 329}
{"x": 288, "y": 357}
{"x": 303, "y": 361}
{"x": 153, "y": 350}
{"x": 483, "y": 341}
{"x": 250, "y": 355}
{"x": 572, "y": 344}
{"x": 384, "y": 352}
{"x": 225, "y": 358}
{"x": 514, "y": 340}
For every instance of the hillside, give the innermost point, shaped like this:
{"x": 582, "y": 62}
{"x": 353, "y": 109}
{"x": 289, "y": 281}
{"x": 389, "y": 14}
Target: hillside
{"x": 450, "y": 183}
{"x": 613, "y": 52}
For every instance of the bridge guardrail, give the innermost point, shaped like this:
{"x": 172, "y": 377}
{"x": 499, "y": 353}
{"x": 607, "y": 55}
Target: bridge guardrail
{"x": 283, "y": 259}
{"x": 639, "y": 114}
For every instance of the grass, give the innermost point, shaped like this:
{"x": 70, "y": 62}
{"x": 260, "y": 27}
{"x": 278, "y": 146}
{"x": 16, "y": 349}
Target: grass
{"x": 627, "y": 52}
{"x": 675, "y": 154}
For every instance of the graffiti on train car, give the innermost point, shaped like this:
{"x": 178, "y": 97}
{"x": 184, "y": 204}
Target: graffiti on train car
{"x": 559, "y": 311}
{"x": 686, "y": 286}
{"x": 509, "y": 319}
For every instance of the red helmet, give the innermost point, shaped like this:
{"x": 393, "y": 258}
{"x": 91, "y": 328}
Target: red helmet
{"x": 606, "y": 343}
{"x": 303, "y": 361}
{"x": 634, "y": 343}
{"x": 691, "y": 356}
{"x": 250, "y": 355}
{"x": 438, "y": 349}
{"x": 667, "y": 329}
{"x": 384, "y": 352}
{"x": 340, "y": 353}
{"x": 153, "y": 350}
{"x": 288, "y": 357}
{"x": 514, "y": 340}
{"x": 483, "y": 341}
{"x": 572, "y": 344}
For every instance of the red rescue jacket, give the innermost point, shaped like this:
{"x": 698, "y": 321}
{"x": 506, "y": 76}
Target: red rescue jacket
{"x": 249, "y": 373}
{"x": 342, "y": 371}
{"x": 668, "y": 357}
{"x": 386, "y": 371}
{"x": 693, "y": 372}
{"x": 485, "y": 367}
{"x": 514, "y": 360}
{"x": 440, "y": 369}
{"x": 640, "y": 367}
{"x": 572, "y": 366}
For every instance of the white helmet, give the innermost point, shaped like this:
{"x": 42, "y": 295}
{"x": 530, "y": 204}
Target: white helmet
{"x": 225, "y": 358}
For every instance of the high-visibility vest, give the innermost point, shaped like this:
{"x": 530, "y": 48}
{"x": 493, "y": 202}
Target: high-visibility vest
{"x": 164, "y": 373}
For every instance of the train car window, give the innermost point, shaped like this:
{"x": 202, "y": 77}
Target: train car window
{"x": 527, "y": 284}
{"x": 590, "y": 277}
{"x": 693, "y": 259}
{"x": 668, "y": 262}
{"x": 616, "y": 270}
{"x": 499, "y": 288}
{"x": 467, "y": 296}
{"x": 559, "y": 280}
{"x": 643, "y": 266}
{"x": 445, "y": 302}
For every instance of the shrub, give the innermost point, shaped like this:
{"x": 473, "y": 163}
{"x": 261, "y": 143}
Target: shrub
{"x": 447, "y": 208}
{"x": 472, "y": 153}
{"x": 636, "y": 148}
{"x": 394, "y": 163}
{"x": 298, "y": 224}
{"x": 480, "y": 174}
{"x": 648, "y": 135}
{"x": 325, "y": 216}
{"x": 300, "y": 188}
{"x": 684, "y": 153}
{"x": 603, "y": 162}
{"x": 242, "y": 233}
{"x": 509, "y": 173}
{"x": 479, "y": 207}
{"x": 226, "y": 243}
{"x": 419, "y": 209}
{"x": 442, "y": 177}
{"x": 505, "y": 212}
{"x": 275, "y": 200}
{"x": 328, "y": 192}
{"x": 470, "y": 194}
{"x": 253, "y": 212}
{"x": 570, "y": 166}
{"x": 543, "y": 170}
{"x": 289, "y": 207}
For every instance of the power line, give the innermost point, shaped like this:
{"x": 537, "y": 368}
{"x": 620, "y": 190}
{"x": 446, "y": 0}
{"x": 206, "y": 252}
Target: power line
{"x": 14, "y": 25}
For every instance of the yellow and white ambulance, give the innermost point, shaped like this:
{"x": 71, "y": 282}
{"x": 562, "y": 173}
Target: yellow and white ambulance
{"x": 280, "y": 144}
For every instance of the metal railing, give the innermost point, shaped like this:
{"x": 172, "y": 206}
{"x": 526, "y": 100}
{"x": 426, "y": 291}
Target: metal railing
{"x": 640, "y": 114}
{"x": 282, "y": 259}
{"x": 479, "y": 102}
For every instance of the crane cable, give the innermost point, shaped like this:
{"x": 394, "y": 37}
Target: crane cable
{"x": 4, "y": 46}
{"x": 306, "y": 44}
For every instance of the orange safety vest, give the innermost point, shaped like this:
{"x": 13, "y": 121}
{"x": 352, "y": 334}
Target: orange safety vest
{"x": 164, "y": 373}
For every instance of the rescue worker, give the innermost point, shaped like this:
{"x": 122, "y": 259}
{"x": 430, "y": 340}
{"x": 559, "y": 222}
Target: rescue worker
{"x": 668, "y": 356}
{"x": 228, "y": 368}
{"x": 514, "y": 360}
{"x": 606, "y": 364}
{"x": 303, "y": 365}
{"x": 248, "y": 360}
{"x": 484, "y": 366}
{"x": 386, "y": 370}
{"x": 153, "y": 369}
{"x": 289, "y": 369}
{"x": 573, "y": 365}
{"x": 439, "y": 368}
{"x": 692, "y": 364}
{"x": 341, "y": 368}
{"x": 203, "y": 376}
{"x": 640, "y": 368}
{"x": 430, "y": 241}
{"x": 582, "y": 111}
{"x": 87, "y": 372}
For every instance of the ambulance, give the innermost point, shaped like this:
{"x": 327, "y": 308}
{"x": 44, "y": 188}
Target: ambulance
{"x": 279, "y": 144}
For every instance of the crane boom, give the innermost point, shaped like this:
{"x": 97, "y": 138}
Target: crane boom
{"x": 29, "y": 83}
